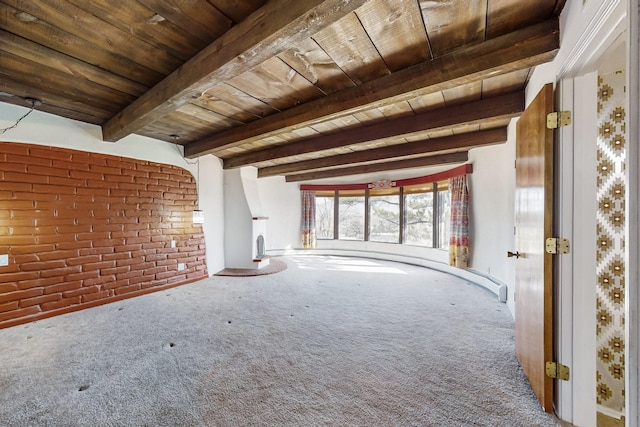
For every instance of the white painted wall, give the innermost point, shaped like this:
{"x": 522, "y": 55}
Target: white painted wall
{"x": 492, "y": 196}
{"x": 210, "y": 187}
{"x": 249, "y": 176}
{"x": 50, "y": 130}
{"x": 244, "y": 219}
{"x": 238, "y": 226}
{"x": 281, "y": 203}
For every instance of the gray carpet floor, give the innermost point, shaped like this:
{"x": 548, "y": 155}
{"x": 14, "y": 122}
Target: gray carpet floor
{"x": 330, "y": 341}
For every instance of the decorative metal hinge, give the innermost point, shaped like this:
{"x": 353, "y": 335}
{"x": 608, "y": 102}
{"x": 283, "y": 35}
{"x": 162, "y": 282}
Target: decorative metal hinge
{"x": 556, "y": 245}
{"x": 558, "y": 119}
{"x": 557, "y": 370}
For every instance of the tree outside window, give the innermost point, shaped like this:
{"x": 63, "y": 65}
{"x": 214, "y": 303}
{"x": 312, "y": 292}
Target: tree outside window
{"x": 425, "y": 212}
{"x": 444, "y": 216}
{"x": 324, "y": 217}
{"x": 351, "y": 218}
{"x": 384, "y": 218}
{"x": 418, "y": 208}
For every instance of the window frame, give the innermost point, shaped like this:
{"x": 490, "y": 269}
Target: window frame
{"x": 430, "y": 183}
{"x": 401, "y": 193}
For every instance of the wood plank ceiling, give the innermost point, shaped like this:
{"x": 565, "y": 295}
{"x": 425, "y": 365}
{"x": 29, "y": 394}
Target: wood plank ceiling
{"x": 308, "y": 89}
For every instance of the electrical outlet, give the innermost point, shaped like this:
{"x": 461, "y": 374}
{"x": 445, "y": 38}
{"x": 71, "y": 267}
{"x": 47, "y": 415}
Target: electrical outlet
{"x": 4, "y": 260}
{"x": 173, "y": 243}
{"x": 181, "y": 266}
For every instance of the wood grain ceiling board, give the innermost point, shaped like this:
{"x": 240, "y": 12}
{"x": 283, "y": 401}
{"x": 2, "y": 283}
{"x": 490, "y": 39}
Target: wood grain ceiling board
{"x": 505, "y": 106}
{"x": 305, "y": 157}
{"x": 427, "y": 102}
{"x": 497, "y": 85}
{"x": 336, "y": 125}
{"x": 209, "y": 116}
{"x": 301, "y": 133}
{"x": 196, "y": 17}
{"x": 30, "y": 74}
{"x": 239, "y": 100}
{"x": 160, "y": 131}
{"x": 520, "y": 49}
{"x": 504, "y": 16}
{"x": 237, "y": 10}
{"x": 103, "y": 35}
{"x": 16, "y": 91}
{"x": 490, "y": 123}
{"x": 72, "y": 67}
{"x": 451, "y": 158}
{"x": 39, "y": 30}
{"x": 240, "y": 77}
{"x": 232, "y": 151}
{"x": 462, "y": 94}
{"x": 272, "y": 141}
{"x": 186, "y": 126}
{"x": 268, "y": 32}
{"x": 370, "y": 116}
{"x": 349, "y": 46}
{"x": 145, "y": 24}
{"x": 397, "y": 31}
{"x": 451, "y": 24}
{"x": 313, "y": 63}
{"x": 222, "y": 108}
{"x": 419, "y": 148}
{"x": 397, "y": 109}
{"x": 276, "y": 84}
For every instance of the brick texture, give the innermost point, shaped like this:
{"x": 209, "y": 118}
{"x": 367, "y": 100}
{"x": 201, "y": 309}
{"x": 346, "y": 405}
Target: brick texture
{"x": 82, "y": 229}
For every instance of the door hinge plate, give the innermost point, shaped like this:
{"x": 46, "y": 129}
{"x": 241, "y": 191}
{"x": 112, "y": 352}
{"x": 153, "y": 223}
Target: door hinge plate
{"x": 556, "y": 245}
{"x": 558, "y": 119}
{"x": 558, "y": 371}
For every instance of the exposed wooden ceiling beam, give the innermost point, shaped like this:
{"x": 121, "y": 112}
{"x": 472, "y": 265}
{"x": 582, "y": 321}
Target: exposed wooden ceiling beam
{"x": 521, "y": 49}
{"x": 442, "y": 159}
{"x": 504, "y": 106}
{"x": 464, "y": 141}
{"x": 269, "y": 31}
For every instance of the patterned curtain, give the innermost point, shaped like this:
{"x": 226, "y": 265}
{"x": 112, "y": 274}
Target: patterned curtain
{"x": 459, "y": 238}
{"x": 308, "y": 219}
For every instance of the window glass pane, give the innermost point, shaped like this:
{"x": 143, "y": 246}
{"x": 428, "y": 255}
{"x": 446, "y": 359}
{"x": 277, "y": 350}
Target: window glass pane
{"x": 419, "y": 219}
{"x": 444, "y": 215}
{"x": 384, "y": 219}
{"x": 351, "y": 218}
{"x": 324, "y": 217}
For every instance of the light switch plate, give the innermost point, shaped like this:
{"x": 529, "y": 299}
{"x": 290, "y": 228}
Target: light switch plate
{"x": 181, "y": 266}
{"x": 4, "y": 260}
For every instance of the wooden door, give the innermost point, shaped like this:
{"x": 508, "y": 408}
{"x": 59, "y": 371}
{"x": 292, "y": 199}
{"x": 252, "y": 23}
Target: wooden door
{"x": 533, "y": 216}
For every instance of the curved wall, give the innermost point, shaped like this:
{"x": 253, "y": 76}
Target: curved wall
{"x": 366, "y": 251}
{"x": 281, "y": 203}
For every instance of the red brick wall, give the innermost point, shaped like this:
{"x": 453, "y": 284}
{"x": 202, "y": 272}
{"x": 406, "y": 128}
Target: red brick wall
{"x": 82, "y": 229}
